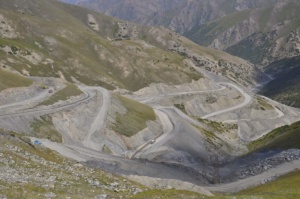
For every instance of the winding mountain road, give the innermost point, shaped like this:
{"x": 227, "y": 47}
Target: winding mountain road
{"x": 50, "y": 109}
{"x": 168, "y": 125}
{"x": 168, "y": 128}
{"x": 163, "y": 114}
{"x": 246, "y": 101}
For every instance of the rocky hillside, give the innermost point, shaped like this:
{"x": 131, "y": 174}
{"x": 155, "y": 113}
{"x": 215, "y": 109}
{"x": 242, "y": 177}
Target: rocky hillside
{"x": 33, "y": 171}
{"x": 262, "y": 32}
{"x": 258, "y": 35}
{"x": 235, "y": 26}
{"x": 79, "y": 45}
{"x": 180, "y": 15}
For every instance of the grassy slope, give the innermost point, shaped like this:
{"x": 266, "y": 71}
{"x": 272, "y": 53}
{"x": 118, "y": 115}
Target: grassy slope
{"x": 285, "y": 137}
{"x": 62, "y": 95}
{"x": 88, "y": 55}
{"x": 9, "y": 80}
{"x": 135, "y": 118}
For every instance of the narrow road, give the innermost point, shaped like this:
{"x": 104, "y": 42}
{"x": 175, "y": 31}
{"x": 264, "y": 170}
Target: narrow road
{"x": 280, "y": 114}
{"x": 99, "y": 120}
{"x": 247, "y": 100}
{"x": 168, "y": 127}
{"x": 50, "y": 109}
{"x": 146, "y": 100}
{"x": 40, "y": 96}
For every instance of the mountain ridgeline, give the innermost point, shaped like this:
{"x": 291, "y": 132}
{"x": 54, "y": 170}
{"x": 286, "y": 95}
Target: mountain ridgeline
{"x": 262, "y": 32}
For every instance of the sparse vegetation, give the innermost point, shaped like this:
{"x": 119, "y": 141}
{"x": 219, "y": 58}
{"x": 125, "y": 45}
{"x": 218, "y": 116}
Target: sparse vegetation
{"x": 285, "y": 137}
{"x": 9, "y": 80}
{"x": 218, "y": 126}
{"x": 62, "y": 95}
{"x": 43, "y": 172}
{"x": 44, "y": 128}
{"x": 135, "y": 119}
{"x": 181, "y": 107}
{"x": 263, "y": 104}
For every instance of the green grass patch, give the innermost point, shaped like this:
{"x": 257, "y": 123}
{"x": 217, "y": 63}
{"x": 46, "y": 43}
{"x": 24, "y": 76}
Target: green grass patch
{"x": 64, "y": 94}
{"x": 135, "y": 119}
{"x": 44, "y": 128}
{"x": 218, "y": 126}
{"x": 263, "y": 104}
{"x": 10, "y": 80}
{"x": 285, "y": 137}
{"x": 181, "y": 107}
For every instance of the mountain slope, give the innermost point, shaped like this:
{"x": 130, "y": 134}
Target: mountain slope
{"x": 263, "y": 27}
{"x": 77, "y": 44}
{"x": 180, "y": 15}
{"x": 258, "y": 35}
{"x": 286, "y": 83}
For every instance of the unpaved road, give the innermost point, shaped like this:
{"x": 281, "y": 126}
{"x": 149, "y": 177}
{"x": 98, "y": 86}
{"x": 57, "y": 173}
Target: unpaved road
{"x": 39, "y": 97}
{"x": 155, "y": 170}
{"x": 126, "y": 167}
{"x": 99, "y": 120}
{"x": 163, "y": 112}
{"x": 50, "y": 109}
{"x": 151, "y": 169}
{"x": 168, "y": 127}
{"x": 246, "y": 101}
{"x": 148, "y": 100}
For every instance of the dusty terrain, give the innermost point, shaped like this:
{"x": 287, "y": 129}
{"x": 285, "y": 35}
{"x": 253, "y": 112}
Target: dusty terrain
{"x": 177, "y": 144}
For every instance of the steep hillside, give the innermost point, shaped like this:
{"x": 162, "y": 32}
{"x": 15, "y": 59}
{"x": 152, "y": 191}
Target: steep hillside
{"x": 33, "y": 171}
{"x": 286, "y": 83}
{"x": 76, "y": 44}
{"x": 259, "y": 35}
{"x": 179, "y": 15}
{"x": 254, "y": 30}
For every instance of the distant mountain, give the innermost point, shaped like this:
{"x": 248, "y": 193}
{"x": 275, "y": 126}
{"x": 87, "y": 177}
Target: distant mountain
{"x": 179, "y": 15}
{"x": 261, "y": 36}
